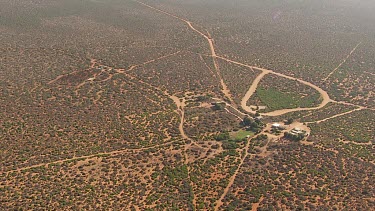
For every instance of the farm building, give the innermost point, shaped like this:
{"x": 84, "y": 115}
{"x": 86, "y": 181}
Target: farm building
{"x": 296, "y": 134}
{"x": 276, "y": 125}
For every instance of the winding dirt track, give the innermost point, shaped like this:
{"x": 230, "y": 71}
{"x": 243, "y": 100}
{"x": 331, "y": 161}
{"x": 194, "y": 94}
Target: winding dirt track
{"x": 225, "y": 89}
{"x": 250, "y": 92}
{"x": 180, "y": 109}
{"x": 180, "y": 104}
{"x": 219, "y": 202}
{"x": 324, "y": 95}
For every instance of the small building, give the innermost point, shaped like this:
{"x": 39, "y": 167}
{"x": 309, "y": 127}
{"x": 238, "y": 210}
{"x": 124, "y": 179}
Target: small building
{"x": 262, "y": 107}
{"x": 296, "y": 134}
{"x": 297, "y": 131}
{"x": 275, "y": 125}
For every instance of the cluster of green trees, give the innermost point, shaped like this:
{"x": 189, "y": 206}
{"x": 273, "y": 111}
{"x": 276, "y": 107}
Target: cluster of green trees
{"x": 254, "y": 125}
{"x": 203, "y": 98}
{"x": 219, "y": 106}
{"x": 228, "y": 143}
{"x": 222, "y": 136}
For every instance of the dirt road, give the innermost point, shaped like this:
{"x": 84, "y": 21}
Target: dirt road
{"x": 180, "y": 109}
{"x": 111, "y": 153}
{"x": 324, "y": 95}
{"x": 219, "y": 202}
{"x": 251, "y": 91}
{"x": 335, "y": 116}
{"x": 225, "y": 89}
{"x": 343, "y": 62}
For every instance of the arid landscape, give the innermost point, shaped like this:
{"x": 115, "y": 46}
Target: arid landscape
{"x": 187, "y": 105}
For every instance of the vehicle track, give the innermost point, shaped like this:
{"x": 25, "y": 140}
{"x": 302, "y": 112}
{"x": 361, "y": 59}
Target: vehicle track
{"x": 253, "y": 87}
{"x": 335, "y": 116}
{"x": 324, "y": 95}
{"x": 233, "y": 114}
{"x": 251, "y": 91}
{"x": 180, "y": 105}
{"x": 181, "y": 111}
{"x": 219, "y": 202}
{"x": 111, "y": 153}
{"x": 343, "y": 62}
{"x": 224, "y": 89}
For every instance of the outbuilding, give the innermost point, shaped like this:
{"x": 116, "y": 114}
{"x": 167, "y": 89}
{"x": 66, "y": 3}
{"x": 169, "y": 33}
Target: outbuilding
{"x": 276, "y": 126}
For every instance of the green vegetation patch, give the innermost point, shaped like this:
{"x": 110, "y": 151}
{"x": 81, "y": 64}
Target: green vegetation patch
{"x": 241, "y": 134}
{"x": 277, "y": 93}
{"x": 275, "y": 99}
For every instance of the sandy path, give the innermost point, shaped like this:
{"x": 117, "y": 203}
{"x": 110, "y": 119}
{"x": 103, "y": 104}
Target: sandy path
{"x": 251, "y": 91}
{"x": 335, "y": 116}
{"x": 230, "y": 105}
{"x": 179, "y": 104}
{"x": 225, "y": 89}
{"x": 255, "y": 206}
{"x": 111, "y": 153}
{"x": 58, "y": 78}
{"x": 356, "y": 143}
{"x": 343, "y": 62}
{"x": 325, "y": 97}
{"x": 150, "y": 61}
{"x": 93, "y": 62}
{"x": 118, "y": 71}
{"x": 238, "y": 117}
{"x": 324, "y": 94}
{"x": 181, "y": 111}
{"x": 219, "y": 202}
{"x": 212, "y": 72}
{"x": 348, "y": 104}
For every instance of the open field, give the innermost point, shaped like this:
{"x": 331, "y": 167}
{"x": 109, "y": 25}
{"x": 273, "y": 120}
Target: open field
{"x": 148, "y": 105}
{"x": 280, "y": 93}
{"x": 241, "y": 134}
